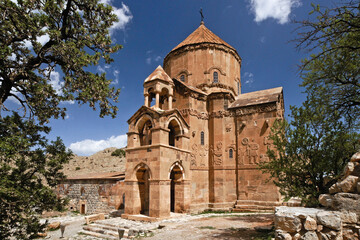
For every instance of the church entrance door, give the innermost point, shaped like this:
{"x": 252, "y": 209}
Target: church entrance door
{"x": 176, "y": 191}
{"x": 143, "y": 176}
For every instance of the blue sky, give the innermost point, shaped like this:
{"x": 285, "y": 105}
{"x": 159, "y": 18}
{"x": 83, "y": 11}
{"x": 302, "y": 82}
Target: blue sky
{"x": 260, "y": 30}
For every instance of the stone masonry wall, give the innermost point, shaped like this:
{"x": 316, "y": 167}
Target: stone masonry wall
{"x": 99, "y": 196}
{"x": 341, "y": 218}
{"x": 294, "y": 223}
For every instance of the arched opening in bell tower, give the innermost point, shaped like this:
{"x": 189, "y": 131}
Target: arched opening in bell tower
{"x": 145, "y": 133}
{"x": 174, "y": 133}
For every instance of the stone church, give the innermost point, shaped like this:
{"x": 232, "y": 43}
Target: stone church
{"x": 196, "y": 142}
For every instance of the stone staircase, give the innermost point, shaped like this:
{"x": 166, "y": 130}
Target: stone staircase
{"x": 254, "y": 206}
{"x": 109, "y": 229}
{"x": 261, "y": 206}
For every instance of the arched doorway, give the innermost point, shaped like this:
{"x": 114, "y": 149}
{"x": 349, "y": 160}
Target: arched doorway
{"x": 176, "y": 191}
{"x": 143, "y": 175}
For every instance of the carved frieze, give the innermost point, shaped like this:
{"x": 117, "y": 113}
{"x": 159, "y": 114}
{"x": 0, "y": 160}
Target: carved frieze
{"x": 193, "y": 112}
{"x": 255, "y": 109}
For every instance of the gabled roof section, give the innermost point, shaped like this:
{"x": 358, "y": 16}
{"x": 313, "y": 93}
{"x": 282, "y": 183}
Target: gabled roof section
{"x": 202, "y": 35}
{"x": 100, "y": 176}
{"x": 159, "y": 74}
{"x": 258, "y": 97}
{"x": 140, "y": 111}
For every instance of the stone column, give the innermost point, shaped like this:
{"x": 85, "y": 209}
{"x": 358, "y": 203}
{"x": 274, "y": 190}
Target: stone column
{"x": 157, "y": 103}
{"x": 132, "y": 197}
{"x": 146, "y": 100}
{"x": 170, "y": 102}
{"x": 159, "y": 198}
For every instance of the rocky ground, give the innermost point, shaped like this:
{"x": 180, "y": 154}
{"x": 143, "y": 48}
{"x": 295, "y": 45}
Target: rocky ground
{"x": 80, "y": 165}
{"x": 181, "y": 226}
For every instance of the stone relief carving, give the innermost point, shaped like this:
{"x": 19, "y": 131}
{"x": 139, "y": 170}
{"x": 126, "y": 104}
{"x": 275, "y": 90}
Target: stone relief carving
{"x": 264, "y": 158}
{"x": 216, "y": 153}
{"x": 250, "y": 152}
{"x": 193, "y": 112}
{"x": 221, "y": 114}
{"x": 198, "y": 151}
{"x": 228, "y": 127}
{"x": 256, "y": 109}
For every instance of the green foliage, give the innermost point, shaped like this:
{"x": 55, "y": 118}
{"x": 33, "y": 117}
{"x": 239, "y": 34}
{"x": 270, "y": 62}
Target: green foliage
{"x": 334, "y": 39}
{"x": 29, "y": 167}
{"x": 78, "y": 33}
{"x": 310, "y": 153}
{"x": 118, "y": 152}
{"x": 78, "y": 39}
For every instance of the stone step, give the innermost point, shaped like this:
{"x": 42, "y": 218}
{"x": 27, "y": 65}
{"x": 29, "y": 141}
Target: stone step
{"x": 105, "y": 230}
{"x": 257, "y": 203}
{"x": 98, "y": 235}
{"x": 252, "y": 208}
{"x": 105, "y": 226}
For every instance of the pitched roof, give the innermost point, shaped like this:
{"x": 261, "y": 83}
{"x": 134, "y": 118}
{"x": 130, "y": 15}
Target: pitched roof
{"x": 202, "y": 35}
{"x": 258, "y": 97}
{"x": 159, "y": 74}
{"x": 103, "y": 176}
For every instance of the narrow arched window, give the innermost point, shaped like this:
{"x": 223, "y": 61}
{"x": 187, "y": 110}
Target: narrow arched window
{"x": 226, "y": 104}
{"x": 231, "y": 153}
{"x": 182, "y": 78}
{"x": 202, "y": 138}
{"x": 216, "y": 77}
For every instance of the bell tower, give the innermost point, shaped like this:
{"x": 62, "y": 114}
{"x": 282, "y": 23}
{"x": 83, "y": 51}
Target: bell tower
{"x": 159, "y": 86}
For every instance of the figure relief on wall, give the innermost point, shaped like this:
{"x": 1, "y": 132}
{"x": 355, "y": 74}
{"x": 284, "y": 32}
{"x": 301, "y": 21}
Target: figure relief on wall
{"x": 264, "y": 158}
{"x": 203, "y": 152}
{"x": 194, "y": 148}
{"x": 251, "y": 152}
{"x": 228, "y": 127}
{"x": 217, "y": 153}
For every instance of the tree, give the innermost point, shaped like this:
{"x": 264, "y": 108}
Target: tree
{"x": 119, "y": 153}
{"x": 310, "y": 153}
{"x": 37, "y": 40}
{"x": 334, "y": 39}
{"x": 27, "y": 161}
{"x": 76, "y": 36}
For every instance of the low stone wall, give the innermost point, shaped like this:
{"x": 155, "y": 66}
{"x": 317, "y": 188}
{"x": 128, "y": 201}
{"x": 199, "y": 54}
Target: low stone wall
{"x": 93, "y": 196}
{"x": 292, "y": 223}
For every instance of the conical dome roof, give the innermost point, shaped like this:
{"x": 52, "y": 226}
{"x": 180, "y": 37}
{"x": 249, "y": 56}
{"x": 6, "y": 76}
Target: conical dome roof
{"x": 159, "y": 74}
{"x": 202, "y": 35}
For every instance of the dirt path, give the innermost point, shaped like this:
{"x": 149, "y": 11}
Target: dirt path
{"x": 218, "y": 227}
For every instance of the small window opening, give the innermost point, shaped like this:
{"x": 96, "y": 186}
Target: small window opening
{"x": 226, "y": 104}
{"x": 216, "y": 77}
{"x": 238, "y": 87}
{"x": 182, "y": 78}
{"x": 202, "y": 138}
{"x": 230, "y": 153}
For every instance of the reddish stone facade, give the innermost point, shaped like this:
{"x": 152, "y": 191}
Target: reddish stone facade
{"x": 196, "y": 142}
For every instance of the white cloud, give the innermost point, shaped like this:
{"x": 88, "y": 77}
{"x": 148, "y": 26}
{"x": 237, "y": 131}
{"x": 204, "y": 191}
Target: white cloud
{"x": 43, "y": 39}
{"x": 57, "y": 85}
{"x": 116, "y": 75}
{"x": 248, "y": 78}
{"x": 123, "y": 14}
{"x": 153, "y": 58}
{"x": 100, "y": 69}
{"x": 277, "y": 9}
{"x": 55, "y": 82}
{"x": 89, "y": 146}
